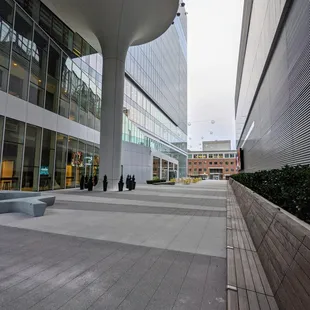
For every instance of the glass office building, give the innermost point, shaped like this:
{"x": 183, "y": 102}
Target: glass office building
{"x": 50, "y": 98}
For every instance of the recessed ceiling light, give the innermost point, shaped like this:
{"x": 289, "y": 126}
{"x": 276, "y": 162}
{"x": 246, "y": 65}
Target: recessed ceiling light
{"x": 14, "y": 64}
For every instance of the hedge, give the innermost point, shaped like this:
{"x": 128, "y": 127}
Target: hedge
{"x": 289, "y": 188}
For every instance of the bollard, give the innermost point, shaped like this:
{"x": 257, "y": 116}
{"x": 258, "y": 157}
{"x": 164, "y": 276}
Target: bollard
{"x": 105, "y": 183}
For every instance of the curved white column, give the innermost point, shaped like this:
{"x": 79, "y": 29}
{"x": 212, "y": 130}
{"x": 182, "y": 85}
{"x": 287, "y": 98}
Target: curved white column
{"x": 111, "y": 26}
{"x": 112, "y": 121}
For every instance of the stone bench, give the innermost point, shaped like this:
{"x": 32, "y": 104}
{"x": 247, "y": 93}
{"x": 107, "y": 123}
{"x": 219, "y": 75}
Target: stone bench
{"x": 282, "y": 242}
{"x": 32, "y": 204}
{"x": 247, "y": 284}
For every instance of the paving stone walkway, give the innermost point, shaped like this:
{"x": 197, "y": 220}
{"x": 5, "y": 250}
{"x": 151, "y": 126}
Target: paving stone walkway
{"x": 118, "y": 251}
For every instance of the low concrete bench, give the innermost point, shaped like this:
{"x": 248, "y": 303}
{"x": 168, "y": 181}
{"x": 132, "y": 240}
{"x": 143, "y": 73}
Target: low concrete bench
{"x": 32, "y": 204}
{"x": 247, "y": 284}
{"x": 282, "y": 242}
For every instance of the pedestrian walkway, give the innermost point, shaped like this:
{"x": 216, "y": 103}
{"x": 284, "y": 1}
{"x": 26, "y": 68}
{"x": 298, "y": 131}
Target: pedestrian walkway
{"x": 155, "y": 248}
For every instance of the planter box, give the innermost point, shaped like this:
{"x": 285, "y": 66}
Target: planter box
{"x": 283, "y": 245}
{"x": 155, "y": 181}
{"x": 164, "y": 183}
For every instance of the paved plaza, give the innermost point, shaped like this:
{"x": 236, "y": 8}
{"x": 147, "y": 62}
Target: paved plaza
{"x": 159, "y": 247}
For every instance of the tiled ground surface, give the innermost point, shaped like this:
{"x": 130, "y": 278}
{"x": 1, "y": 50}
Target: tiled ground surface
{"x": 165, "y": 256}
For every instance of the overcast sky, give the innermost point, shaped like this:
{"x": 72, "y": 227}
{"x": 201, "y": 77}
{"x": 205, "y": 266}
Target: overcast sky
{"x": 214, "y": 28}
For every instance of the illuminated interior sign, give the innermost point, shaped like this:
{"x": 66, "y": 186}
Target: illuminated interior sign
{"x": 44, "y": 170}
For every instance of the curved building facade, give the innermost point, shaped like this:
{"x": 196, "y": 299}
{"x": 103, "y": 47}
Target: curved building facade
{"x": 273, "y": 83}
{"x": 51, "y": 100}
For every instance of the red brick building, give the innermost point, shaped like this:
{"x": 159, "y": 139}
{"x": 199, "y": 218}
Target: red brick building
{"x": 216, "y": 165}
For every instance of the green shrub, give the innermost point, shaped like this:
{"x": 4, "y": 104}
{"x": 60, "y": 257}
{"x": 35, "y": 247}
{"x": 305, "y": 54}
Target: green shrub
{"x": 289, "y": 188}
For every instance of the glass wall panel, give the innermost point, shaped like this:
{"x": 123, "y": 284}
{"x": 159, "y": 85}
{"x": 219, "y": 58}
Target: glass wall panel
{"x": 156, "y": 167}
{"x": 22, "y": 36}
{"x": 84, "y": 99}
{"x": 64, "y": 104}
{"x": 72, "y": 162}
{"x": 165, "y": 169}
{"x": 91, "y": 105}
{"x": 46, "y": 18}
{"x": 88, "y": 160}
{"x": 67, "y": 37}
{"x": 47, "y": 160}
{"x": 76, "y": 84}
{"x": 32, "y": 158}
{"x": 11, "y": 165}
{"x": 98, "y": 109}
{"x": 60, "y": 161}
{"x": 6, "y": 20}
{"x": 53, "y": 77}
{"x": 80, "y": 161}
{"x": 22, "y": 47}
{"x": 38, "y": 67}
{"x": 96, "y": 162}
{"x": 19, "y": 77}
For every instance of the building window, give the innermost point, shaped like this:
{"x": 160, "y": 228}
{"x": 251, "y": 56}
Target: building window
{"x": 232, "y": 170}
{"x": 215, "y": 155}
{"x": 195, "y": 169}
{"x": 22, "y": 50}
{"x": 231, "y": 162}
{"x": 200, "y": 163}
{"x": 205, "y": 169}
{"x": 190, "y": 170}
{"x": 210, "y": 163}
{"x": 190, "y": 163}
{"x": 226, "y": 155}
{"x": 220, "y": 155}
{"x": 215, "y": 163}
{"x": 65, "y": 89}
{"x": 38, "y": 68}
{"x": 12, "y": 154}
{"x": 210, "y": 155}
{"x": 72, "y": 160}
{"x": 195, "y": 163}
{"x": 60, "y": 161}
{"x": 200, "y": 169}
{"x": 47, "y": 160}
{"x": 32, "y": 158}
{"x": 6, "y": 20}
{"x": 221, "y": 163}
{"x": 226, "y": 170}
{"x": 226, "y": 163}
{"x": 232, "y": 155}
{"x": 53, "y": 77}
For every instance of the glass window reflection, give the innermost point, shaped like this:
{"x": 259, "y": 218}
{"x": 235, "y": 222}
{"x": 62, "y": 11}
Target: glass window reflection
{"x": 38, "y": 68}
{"x": 32, "y": 158}
{"x": 72, "y": 162}
{"x": 13, "y": 145}
{"x": 60, "y": 161}
{"x": 47, "y": 160}
{"x": 52, "y": 87}
{"x": 6, "y": 19}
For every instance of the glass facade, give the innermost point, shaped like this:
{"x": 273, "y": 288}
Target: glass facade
{"x": 44, "y": 62}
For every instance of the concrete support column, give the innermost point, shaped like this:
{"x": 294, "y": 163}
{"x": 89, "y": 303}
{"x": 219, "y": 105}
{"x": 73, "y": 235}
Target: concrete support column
{"x": 112, "y": 120}
{"x": 160, "y": 168}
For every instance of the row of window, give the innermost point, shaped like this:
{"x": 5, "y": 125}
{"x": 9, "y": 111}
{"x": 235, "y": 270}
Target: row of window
{"x": 211, "y": 163}
{"x": 205, "y": 170}
{"x": 35, "y": 159}
{"x": 220, "y": 155}
{"x": 35, "y": 69}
